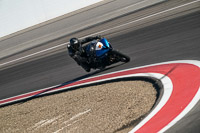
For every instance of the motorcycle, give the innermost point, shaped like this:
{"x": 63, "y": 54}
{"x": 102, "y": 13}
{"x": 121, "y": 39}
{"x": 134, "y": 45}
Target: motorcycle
{"x": 101, "y": 54}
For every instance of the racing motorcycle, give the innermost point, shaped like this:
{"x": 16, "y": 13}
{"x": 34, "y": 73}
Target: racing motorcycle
{"x": 101, "y": 54}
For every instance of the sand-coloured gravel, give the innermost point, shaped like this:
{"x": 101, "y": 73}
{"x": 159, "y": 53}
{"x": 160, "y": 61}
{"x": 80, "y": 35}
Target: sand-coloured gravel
{"x": 110, "y": 107}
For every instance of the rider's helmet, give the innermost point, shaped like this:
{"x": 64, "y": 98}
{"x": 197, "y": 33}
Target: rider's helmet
{"x": 74, "y": 42}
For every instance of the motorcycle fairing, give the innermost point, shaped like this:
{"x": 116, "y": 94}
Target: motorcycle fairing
{"x": 102, "y": 47}
{"x": 98, "y": 48}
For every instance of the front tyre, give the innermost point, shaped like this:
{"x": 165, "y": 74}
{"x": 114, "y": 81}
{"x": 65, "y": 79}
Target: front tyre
{"x": 121, "y": 57}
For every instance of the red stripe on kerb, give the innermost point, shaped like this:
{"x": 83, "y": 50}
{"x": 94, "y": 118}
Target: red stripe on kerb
{"x": 20, "y": 97}
{"x": 186, "y": 82}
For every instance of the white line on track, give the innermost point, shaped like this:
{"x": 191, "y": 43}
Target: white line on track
{"x": 78, "y": 115}
{"x": 60, "y": 45}
{"x": 71, "y": 119}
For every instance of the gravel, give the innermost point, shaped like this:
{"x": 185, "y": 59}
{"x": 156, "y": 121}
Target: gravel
{"x": 110, "y": 107}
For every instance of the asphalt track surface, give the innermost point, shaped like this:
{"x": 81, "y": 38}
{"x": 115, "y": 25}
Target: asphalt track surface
{"x": 176, "y": 39}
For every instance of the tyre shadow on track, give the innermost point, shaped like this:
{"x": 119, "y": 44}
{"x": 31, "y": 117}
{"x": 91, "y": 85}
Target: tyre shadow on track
{"x": 156, "y": 83}
{"x": 42, "y": 93}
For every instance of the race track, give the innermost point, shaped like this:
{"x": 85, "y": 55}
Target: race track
{"x": 174, "y": 39}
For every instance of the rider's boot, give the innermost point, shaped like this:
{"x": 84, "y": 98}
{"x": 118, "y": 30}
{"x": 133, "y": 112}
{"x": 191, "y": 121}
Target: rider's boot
{"x": 84, "y": 64}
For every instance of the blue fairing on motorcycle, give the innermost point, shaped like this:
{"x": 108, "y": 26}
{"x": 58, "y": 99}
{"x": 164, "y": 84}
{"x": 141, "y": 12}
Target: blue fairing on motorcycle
{"x": 103, "y": 49}
{"x": 105, "y": 42}
{"x": 102, "y": 52}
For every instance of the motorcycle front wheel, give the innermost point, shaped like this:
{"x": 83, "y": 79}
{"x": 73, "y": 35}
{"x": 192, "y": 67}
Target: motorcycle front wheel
{"x": 121, "y": 57}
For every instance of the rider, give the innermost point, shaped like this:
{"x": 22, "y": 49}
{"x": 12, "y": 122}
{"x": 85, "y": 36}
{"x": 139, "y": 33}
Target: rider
{"x": 77, "y": 52}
